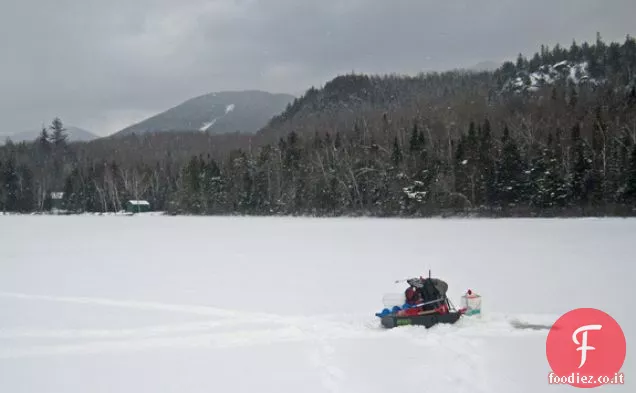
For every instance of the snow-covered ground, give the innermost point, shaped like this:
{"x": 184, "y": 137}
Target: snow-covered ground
{"x": 199, "y": 304}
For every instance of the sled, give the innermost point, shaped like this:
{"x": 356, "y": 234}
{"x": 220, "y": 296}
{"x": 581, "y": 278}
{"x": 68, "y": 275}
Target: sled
{"x": 428, "y": 320}
{"x": 429, "y": 311}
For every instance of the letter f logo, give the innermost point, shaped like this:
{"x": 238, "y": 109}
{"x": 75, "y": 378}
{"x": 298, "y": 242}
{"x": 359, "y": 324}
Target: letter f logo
{"x": 584, "y": 347}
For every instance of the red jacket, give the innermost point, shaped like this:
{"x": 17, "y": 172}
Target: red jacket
{"x": 412, "y": 296}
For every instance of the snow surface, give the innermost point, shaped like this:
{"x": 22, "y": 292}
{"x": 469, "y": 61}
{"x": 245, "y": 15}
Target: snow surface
{"x": 197, "y": 304}
{"x": 207, "y": 125}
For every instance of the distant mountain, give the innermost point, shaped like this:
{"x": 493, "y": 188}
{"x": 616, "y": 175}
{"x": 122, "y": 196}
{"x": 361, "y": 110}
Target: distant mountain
{"x": 216, "y": 113}
{"x": 359, "y": 102}
{"x": 485, "y": 66}
{"x": 75, "y": 134}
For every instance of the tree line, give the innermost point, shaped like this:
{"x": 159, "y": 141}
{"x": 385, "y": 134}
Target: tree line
{"x": 451, "y": 143}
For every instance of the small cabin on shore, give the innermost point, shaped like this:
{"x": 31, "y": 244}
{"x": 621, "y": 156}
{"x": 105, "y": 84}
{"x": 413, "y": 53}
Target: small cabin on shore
{"x": 137, "y": 206}
{"x": 57, "y": 200}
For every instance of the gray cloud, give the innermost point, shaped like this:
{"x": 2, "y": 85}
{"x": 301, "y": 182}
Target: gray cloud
{"x": 103, "y": 64}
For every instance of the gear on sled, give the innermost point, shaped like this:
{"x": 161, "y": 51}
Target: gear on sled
{"x": 425, "y": 304}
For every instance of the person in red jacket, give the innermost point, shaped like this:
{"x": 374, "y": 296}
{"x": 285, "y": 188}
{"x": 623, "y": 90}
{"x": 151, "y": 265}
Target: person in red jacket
{"x": 413, "y": 296}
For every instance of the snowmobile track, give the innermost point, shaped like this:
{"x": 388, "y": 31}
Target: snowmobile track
{"x": 232, "y": 328}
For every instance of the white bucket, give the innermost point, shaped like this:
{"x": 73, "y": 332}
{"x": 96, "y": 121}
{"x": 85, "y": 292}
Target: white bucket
{"x": 472, "y": 303}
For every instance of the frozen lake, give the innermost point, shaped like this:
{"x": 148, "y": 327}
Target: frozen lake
{"x": 201, "y": 304}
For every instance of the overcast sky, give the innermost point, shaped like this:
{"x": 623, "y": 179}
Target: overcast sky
{"x": 104, "y": 64}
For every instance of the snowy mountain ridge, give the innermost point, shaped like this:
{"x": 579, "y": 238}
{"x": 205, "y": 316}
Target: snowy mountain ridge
{"x": 568, "y": 71}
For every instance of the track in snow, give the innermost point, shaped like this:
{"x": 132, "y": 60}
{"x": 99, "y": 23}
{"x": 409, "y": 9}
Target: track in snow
{"x": 230, "y": 328}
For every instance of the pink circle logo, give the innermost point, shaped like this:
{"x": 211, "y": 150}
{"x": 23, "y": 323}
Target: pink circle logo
{"x": 586, "y": 348}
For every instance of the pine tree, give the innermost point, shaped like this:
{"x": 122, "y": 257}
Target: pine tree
{"x": 486, "y": 166}
{"x": 612, "y": 178}
{"x": 246, "y": 201}
{"x": 547, "y": 186}
{"x": 538, "y": 189}
{"x": 338, "y": 141}
{"x": 211, "y": 193}
{"x": 630, "y": 185}
{"x": 555, "y": 183}
{"x": 73, "y": 195}
{"x": 460, "y": 172}
{"x": 510, "y": 184}
{"x": 414, "y": 141}
{"x": 26, "y": 200}
{"x": 580, "y": 166}
{"x": 58, "y": 136}
{"x": 396, "y": 154}
{"x": 43, "y": 141}
{"x": 47, "y": 203}
{"x": 595, "y": 183}
{"x": 190, "y": 198}
{"x": 11, "y": 187}
{"x": 90, "y": 199}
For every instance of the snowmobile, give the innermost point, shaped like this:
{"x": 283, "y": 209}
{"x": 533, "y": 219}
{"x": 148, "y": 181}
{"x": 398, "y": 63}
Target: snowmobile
{"x": 426, "y": 304}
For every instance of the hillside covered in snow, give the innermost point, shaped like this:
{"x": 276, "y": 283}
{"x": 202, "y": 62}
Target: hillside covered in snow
{"x": 216, "y": 113}
{"x": 562, "y": 72}
{"x": 586, "y": 65}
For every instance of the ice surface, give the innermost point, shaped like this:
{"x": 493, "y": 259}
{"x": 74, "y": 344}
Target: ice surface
{"x": 198, "y": 304}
